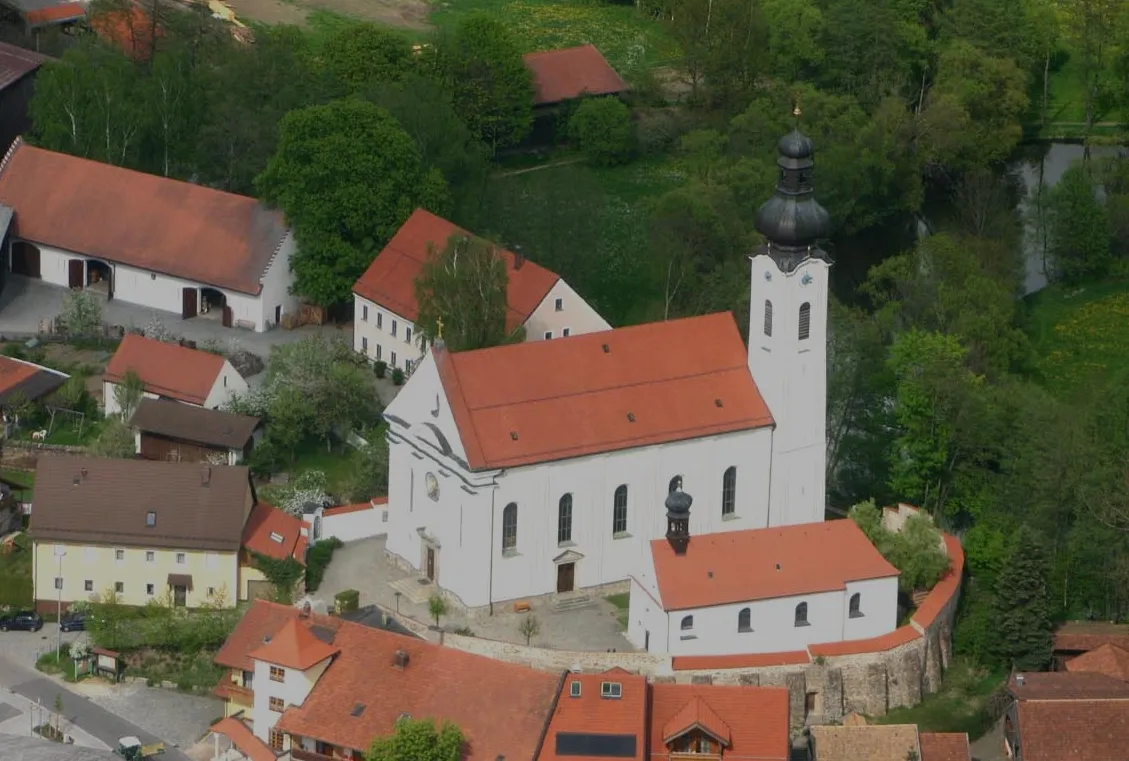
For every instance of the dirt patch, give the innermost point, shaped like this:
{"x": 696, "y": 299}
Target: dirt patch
{"x": 64, "y": 355}
{"x": 403, "y": 14}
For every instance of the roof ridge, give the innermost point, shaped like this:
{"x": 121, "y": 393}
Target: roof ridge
{"x": 11, "y": 152}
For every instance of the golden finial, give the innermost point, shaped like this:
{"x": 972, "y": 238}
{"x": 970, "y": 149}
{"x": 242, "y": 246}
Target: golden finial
{"x": 796, "y": 112}
{"x": 439, "y": 328}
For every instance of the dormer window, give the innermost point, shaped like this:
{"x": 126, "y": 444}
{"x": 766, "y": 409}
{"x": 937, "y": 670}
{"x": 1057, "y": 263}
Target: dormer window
{"x": 150, "y": 519}
{"x": 695, "y": 742}
{"x": 613, "y": 690}
{"x": 276, "y": 537}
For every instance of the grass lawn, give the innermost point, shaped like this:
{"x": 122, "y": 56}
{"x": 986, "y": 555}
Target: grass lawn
{"x": 62, "y": 665}
{"x": 65, "y": 432}
{"x": 1079, "y": 333}
{"x": 961, "y": 705}
{"x": 15, "y": 574}
{"x": 336, "y": 464}
{"x": 621, "y": 601}
{"x": 1067, "y": 103}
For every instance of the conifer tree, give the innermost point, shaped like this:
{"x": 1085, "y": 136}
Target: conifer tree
{"x": 1022, "y": 607}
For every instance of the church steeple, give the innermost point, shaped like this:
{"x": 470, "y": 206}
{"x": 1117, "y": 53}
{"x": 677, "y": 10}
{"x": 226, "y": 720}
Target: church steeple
{"x": 792, "y": 221}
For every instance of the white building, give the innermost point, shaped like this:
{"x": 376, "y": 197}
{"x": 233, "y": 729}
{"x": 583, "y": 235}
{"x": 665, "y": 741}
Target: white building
{"x": 146, "y": 240}
{"x": 761, "y": 591}
{"x": 171, "y": 371}
{"x": 385, "y": 308}
{"x": 287, "y": 666}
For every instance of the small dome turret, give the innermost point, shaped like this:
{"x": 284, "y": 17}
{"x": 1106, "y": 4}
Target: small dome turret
{"x": 796, "y": 145}
{"x": 678, "y": 504}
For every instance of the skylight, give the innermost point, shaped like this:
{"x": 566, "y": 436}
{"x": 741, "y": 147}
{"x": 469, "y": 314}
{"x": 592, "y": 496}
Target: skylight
{"x": 274, "y": 536}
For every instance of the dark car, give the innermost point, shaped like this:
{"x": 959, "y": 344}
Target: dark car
{"x": 73, "y": 622}
{"x": 25, "y": 620}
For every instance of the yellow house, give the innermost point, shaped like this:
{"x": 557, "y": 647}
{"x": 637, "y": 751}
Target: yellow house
{"x": 144, "y": 530}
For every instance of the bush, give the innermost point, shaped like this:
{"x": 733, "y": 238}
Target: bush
{"x": 656, "y": 132}
{"x": 348, "y": 600}
{"x": 398, "y": 376}
{"x": 15, "y": 351}
{"x": 917, "y": 551}
{"x": 380, "y": 367}
{"x": 317, "y": 559}
{"x": 601, "y": 128}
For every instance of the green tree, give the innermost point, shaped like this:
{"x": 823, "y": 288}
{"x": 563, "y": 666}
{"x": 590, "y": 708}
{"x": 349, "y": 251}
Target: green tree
{"x": 361, "y": 54}
{"x": 1079, "y": 228}
{"x": 493, "y": 89}
{"x": 529, "y": 627}
{"x": 115, "y": 440}
{"x": 369, "y": 469}
{"x": 437, "y": 607}
{"x": 918, "y": 553}
{"x": 347, "y": 176}
{"x": 795, "y": 28}
{"x": 723, "y": 43}
{"x": 464, "y": 286}
{"x": 128, "y": 393}
{"x": 19, "y": 408}
{"x": 82, "y": 314}
{"x": 419, "y": 740}
{"x": 1092, "y": 27}
{"x": 601, "y": 128}
{"x": 1024, "y": 632}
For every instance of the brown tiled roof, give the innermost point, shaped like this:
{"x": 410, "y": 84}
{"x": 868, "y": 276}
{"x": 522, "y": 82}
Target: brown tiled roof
{"x": 1110, "y": 660}
{"x": 99, "y": 501}
{"x": 872, "y": 742}
{"x": 590, "y": 713}
{"x": 166, "y": 369}
{"x": 1073, "y": 730}
{"x": 267, "y": 522}
{"x": 759, "y": 564}
{"x": 30, "y": 379}
{"x": 944, "y": 746}
{"x": 1083, "y": 636}
{"x": 244, "y": 739}
{"x": 196, "y": 424}
{"x": 41, "y": 14}
{"x": 196, "y": 233}
{"x": 637, "y": 386}
{"x": 1064, "y": 685}
{"x": 260, "y": 621}
{"x": 16, "y": 63}
{"x": 740, "y": 661}
{"x": 571, "y": 73}
{"x": 756, "y": 716}
{"x": 295, "y": 647}
{"x": 391, "y": 278}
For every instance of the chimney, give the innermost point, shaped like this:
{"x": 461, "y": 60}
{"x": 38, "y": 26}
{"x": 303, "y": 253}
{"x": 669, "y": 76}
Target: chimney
{"x": 678, "y": 520}
{"x": 305, "y": 611}
{"x": 519, "y": 258}
{"x": 401, "y": 659}
{"x": 1019, "y": 680}
{"x": 206, "y": 476}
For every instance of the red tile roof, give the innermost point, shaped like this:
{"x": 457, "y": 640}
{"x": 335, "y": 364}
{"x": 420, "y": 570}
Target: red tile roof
{"x": 697, "y": 715}
{"x": 1110, "y": 660}
{"x": 16, "y": 63}
{"x": 153, "y": 223}
{"x": 590, "y": 713}
{"x": 166, "y": 369}
{"x": 571, "y": 73}
{"x": 260, "y": 621}
{"x": 739, "y": 661}
{"x": 638, "y": 386}
{"x": 243, "y": 739}
{"x": 759, "y": 564}
{"x": 13, "y": 372}
{"x": 267, "y": 522}
{"x": 1066, "y": 685}
{"x": 880, "y": 644}
{"x": 391, "y": 278}
{"x": 1073, "y": 730}
{"x": 757, "y": 717}
{"x": 295, "y": 647}
{"x": 360, "y": 506}
{"x": 944, "y": 590}
{"x": 55, "y": 14}
{"x": 1083, "y": 636}
{"x": 131, "y": 31}
{"x": 944, "y": 746}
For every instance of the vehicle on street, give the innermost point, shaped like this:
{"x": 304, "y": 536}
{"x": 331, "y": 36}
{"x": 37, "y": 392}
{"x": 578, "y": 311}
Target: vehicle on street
{"x": 131, "y": 749}
{"x": 24, "y": 620}
{"x": 73, "y": 622}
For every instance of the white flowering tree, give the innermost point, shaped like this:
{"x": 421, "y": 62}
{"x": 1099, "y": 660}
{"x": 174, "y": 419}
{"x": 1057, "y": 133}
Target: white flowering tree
{"x": 82, "y": 313}
{"x": 308, "y": 488}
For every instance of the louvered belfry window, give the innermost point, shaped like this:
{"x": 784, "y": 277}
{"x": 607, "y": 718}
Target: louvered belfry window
{"x": 805, "y": 321}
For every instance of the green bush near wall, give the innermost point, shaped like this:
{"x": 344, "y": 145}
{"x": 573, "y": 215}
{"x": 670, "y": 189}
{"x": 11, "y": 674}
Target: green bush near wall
{"x": 348, "y": 600}
{"x": 317, "y": 559}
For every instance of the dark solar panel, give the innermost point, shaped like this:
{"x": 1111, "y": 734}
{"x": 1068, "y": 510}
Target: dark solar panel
{"x": 607, "y": 746}
{"x": 358, "y": 709}
{"x": 325, "y": 634}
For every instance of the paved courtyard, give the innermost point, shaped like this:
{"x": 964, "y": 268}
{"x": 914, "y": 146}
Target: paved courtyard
{"x": 26, "y": 647}
{"x": 362, "y": 566}
{"x": 177, "y": 717}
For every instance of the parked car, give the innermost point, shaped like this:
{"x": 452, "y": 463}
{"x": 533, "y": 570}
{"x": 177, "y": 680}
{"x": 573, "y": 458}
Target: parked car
{"x": 73, "y": 622}
{"x": 24, "y": 620}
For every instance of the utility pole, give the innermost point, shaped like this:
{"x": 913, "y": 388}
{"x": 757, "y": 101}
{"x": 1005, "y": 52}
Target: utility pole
{"x": 60, "y": 553}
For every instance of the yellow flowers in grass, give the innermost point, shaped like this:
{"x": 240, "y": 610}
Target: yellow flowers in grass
{"x": 1092, "y": 339}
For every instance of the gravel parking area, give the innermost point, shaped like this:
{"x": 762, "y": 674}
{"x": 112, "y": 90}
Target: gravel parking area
{"x": 177, "y": 717}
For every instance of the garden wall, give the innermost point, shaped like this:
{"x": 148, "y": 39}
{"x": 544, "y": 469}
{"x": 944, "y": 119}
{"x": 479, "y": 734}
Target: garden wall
{"x": 352, "y": 522}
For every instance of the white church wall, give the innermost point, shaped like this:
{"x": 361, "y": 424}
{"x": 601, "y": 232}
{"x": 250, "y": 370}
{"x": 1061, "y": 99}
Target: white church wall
{"x": 646, "y": 620}
{"x": 878, "y": 605}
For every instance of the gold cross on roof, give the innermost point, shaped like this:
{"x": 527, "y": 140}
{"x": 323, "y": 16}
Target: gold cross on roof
{"x": 439, "y": 328}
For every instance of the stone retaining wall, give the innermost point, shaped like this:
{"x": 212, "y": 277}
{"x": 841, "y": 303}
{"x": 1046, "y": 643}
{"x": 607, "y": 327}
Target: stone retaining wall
{"x": 21, "y": 455}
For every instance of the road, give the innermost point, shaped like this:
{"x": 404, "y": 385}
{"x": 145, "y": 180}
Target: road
{"x": 79, "y": 710}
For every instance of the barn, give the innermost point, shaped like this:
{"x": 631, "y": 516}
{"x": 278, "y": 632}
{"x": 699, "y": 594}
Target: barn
{"x": 146, "y": 240}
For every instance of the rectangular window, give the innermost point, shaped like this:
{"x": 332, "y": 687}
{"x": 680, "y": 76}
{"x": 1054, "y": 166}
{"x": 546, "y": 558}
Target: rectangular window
{"x": 275, "y": 740}
{"x": 277, "y": 674}
{"x": 248, "y": 679}
{"x": 181, "y": 558}
{"x": 119, "y": 554}
{"x": 364, "y": 344}
{"x": 364, "y": 312}
{"x": 379, "y": 352}
{"x": 88, "y": 585}
{"x": 548, "y": 335}
{"x": 59, "y": 583}
{"x": 408, "y": 335}
{"x": 394, "y": 325}
{"x": 380, "y": 320}
{"x": 211, "y": 591}
{"x": 407, "y": 365}
{"x": 149, "y": 589}
{"x": 276, "y": 705}
{"x": 392, "y": 361}
{"x": 151, "y": 517}
{"x": 119, "y": 587}
{"x": 150, "y": 557}
{"x": 566, "y": 332}
{"x": 559, "y": 305}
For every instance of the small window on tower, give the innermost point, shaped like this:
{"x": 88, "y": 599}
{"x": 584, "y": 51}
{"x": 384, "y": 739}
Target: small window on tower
{"x": 805, "y": 321}
{"x": 767, "y": 318}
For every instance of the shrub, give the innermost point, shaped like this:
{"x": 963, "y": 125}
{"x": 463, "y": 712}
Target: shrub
{"x": 15, "y": 351}
{"x": 317, "y": 559}
{"x": 380, "y": 367}
{"x": 601, "y": 128}
{"x": 398, "y": 376}
{"x": 657, "y": 132}
{"x": 917, "y": 551}
{"x": 348, "y": 600}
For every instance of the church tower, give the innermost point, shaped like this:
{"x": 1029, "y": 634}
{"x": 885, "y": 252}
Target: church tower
{"x": 788, "y": 334}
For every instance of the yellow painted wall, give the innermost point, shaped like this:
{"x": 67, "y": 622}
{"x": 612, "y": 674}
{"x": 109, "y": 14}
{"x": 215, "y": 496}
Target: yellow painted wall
{"x": 248, "y": 574}
{"x": 98, "y": 564}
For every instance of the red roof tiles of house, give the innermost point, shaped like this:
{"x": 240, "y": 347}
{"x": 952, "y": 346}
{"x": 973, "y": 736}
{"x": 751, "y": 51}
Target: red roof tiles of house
{"x": 166, "y": 369}
{"x": 152, "y": 223}
{"x": 295, "y": 647}
{"x": 759, "y": 564}
{"x": 1110, "y": 660}
{"x": 641, "y": 385}
{"x": 16, "y": 63}
{"x": 571, "y": 73}
{"x": 583, "y": 708}
{"x": 274, "y": 533}
{"x": 260, "y": 621}
{"x": 755, "y": 718}
{"x": 1073, "y": 730}
{"x": 243, "y": 739}
{"x": 1066, "y": 685}
{"x": 1084, "y": 636}
{"x": 131, "y": 31}
{"x": 944, "y": 746}
{"x": 54, "y": 14}
{"x": 391, "y": 278}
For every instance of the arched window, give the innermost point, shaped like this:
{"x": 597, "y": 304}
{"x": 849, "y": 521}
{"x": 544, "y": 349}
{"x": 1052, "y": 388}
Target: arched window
{"x": 509, "y": 527}
{"x": 619, "y": 510}
{"x": 855, "y": 608}
{"x": 802, "y": 614}
{"x": 564, "y": 519}
{"x": 687, "y": 623}
{"x": 729, "y": 491}
{"x": 805, "y": 321}
{"x": 767, "y": 317}
{"x": 745, "y": 620}
{"x": 675, "y": 485}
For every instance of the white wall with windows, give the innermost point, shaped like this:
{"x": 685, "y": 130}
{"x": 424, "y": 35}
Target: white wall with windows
{"x": 277, "y": 687}
{"x": 563, "y": 313}
{"x": 380, "y": 334}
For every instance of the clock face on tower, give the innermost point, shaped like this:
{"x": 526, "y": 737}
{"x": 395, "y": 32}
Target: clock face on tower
{"x": 432, "y": 484}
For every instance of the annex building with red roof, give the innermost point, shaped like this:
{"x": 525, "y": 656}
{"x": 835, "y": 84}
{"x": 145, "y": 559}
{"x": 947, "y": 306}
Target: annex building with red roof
{"x": 385, "y": 310}
{"x": 146, "y": 240}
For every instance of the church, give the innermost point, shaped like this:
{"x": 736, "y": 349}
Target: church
{"x": 550, "y": 467}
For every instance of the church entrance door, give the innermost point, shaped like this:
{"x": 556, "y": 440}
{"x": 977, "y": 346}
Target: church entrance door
{"x": 566, "y": 577}
{"x": 431, "y": 563}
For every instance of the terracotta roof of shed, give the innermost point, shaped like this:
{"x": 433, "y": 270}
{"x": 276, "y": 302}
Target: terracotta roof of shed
{"x": 759, "y": 564}
{"x": 153, "y": 223}
{"x": 390, "y": 280}
{"x": 648, "y": 384}
{"x": 166, "y": 369}
{"x": 185, "y": 422}
{"x": 1073, "y": 730}
{"x": 43, "y": 13}
{"x": 868, "y": 742}
{"x": 571, "y": 73}
{"x": 131, "y": 31}
{"x": 109, "y": 503}
{"x": 944, "y": 746}
{"x": 267, "y": 521}
{"x": 756, "y": 716}
{"x": 1083, "y": 636}
{"x": 16, "y": 63}
{"x": 1108, "y": 659}
{"x": 590, "y": 713}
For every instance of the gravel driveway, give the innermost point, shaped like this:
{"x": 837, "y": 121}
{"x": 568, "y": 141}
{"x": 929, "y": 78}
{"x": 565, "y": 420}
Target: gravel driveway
{"x": 179, "y": 718}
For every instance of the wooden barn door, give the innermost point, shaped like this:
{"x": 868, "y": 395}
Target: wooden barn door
{"x": 227, "y": 316}
{"x": 76, "y": 273}
{"x": 189, "y": 298}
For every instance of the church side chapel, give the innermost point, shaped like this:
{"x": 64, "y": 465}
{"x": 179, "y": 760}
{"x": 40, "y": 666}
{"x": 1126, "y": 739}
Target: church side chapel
{"x": 554, "y": 466}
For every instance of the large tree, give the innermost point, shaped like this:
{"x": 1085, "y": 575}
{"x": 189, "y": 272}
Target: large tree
{"x": 1024, "y": 632}
{"x": 418, "y": 740}
{"x": 1080, "y": 234}
{"x": 463, "y": 285}
{"x": 347, "y": 176}
{"x": 361, "y": 55}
